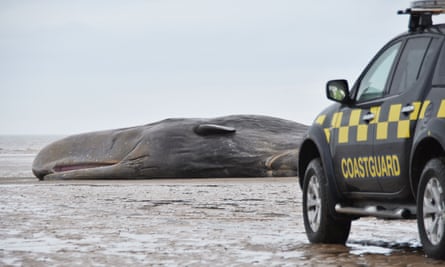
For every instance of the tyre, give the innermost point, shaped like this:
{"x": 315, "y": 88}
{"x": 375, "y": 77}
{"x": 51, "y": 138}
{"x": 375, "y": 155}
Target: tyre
{"x": 431, "y": 209}
{"x": 320, "y": 225}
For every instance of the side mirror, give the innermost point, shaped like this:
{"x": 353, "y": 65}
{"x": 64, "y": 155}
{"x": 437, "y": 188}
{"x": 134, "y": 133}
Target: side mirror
{"x": 338, "y": 91}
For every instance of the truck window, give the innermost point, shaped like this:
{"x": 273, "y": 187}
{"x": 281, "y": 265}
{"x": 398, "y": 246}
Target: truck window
{"x": 373, "y": 83}
{"x": 410, "y": 64}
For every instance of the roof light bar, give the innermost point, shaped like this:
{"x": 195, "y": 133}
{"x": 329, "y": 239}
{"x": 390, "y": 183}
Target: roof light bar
{"x": 421, "y": 13}
{"x": 429, "y": 6}
{"x": 432, "y": 7}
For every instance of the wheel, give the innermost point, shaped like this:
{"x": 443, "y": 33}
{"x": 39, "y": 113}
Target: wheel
{"x": 320, "y": 225}
{"x": 431, "y": 209}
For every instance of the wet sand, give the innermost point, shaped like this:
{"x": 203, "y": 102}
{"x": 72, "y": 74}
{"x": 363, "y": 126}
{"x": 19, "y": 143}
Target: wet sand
{"x": 192, "y": 222}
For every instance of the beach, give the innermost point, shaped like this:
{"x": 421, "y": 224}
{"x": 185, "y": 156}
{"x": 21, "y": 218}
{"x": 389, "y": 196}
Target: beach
{"x": 180, "y": 222}
{"x": 193, "y": 222}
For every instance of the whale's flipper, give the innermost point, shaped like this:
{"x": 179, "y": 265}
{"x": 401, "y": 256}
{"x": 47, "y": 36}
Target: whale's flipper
{"x": 213, "y": 129}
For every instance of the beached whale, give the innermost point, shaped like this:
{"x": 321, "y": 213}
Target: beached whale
{"x": 231, "y": 146}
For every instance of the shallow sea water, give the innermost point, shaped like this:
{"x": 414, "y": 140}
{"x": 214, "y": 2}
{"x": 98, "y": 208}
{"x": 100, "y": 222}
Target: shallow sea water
{"x": 17, "y": 153}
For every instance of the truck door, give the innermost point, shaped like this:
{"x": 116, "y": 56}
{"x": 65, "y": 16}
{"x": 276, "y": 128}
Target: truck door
{"x": 353, "y": 126}
{"x": 397, "y": 114}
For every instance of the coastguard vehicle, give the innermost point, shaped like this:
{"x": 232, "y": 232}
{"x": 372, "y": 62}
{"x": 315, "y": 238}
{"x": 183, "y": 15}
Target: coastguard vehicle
{"x": 380, "y": 149}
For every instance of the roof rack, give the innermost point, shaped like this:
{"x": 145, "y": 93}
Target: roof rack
{"x": 421, "y": 13}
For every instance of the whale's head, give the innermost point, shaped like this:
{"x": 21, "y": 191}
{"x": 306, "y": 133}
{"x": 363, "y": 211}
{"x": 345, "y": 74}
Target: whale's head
{"x": 85, "y": 155}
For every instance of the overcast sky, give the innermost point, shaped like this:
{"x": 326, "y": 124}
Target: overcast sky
{"x": 74, "y": 66}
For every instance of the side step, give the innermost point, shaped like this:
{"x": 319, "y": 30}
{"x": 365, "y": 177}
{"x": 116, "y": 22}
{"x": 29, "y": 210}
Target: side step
{"x": 375, "y": 211}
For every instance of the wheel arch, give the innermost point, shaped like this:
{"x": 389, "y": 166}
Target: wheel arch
{"x": 316, "y": 145}
{"x": 427, "y": 149}
{"x": 308, "y": 152}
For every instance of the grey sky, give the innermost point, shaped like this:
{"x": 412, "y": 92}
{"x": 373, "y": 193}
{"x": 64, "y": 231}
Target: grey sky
{"x": 74, "y": 66}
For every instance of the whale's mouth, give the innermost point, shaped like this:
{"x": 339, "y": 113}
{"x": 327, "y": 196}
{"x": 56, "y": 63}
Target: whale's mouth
{"x": 82, "y": 166}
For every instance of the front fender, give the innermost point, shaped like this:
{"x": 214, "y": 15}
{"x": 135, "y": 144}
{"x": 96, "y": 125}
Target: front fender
{"x": 316, "y": 145}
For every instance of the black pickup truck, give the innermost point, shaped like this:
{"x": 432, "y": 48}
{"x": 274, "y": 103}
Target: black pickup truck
{"x": 380, "y": 149}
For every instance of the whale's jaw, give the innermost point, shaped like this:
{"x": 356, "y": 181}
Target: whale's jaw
{"x": 81, "y": 166}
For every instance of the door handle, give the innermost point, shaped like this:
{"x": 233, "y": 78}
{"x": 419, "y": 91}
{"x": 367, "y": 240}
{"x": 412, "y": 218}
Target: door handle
{"x": 368, "y": 117}
{"x": 407, "y": 109}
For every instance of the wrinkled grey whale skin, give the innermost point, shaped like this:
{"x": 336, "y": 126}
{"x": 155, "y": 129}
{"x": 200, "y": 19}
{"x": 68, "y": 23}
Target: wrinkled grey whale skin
{"x": 231, "y": 146}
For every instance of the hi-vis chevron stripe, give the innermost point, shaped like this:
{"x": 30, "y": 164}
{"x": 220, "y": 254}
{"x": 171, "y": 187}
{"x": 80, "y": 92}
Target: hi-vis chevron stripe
{"x": 350, "y": 128}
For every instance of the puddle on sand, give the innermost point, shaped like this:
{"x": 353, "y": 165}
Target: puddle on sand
{"x": 365, "y": 253}
{"x": 382, "y": 247}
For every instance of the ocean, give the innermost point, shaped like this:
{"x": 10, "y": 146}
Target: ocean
{"x": 17, "y": 153}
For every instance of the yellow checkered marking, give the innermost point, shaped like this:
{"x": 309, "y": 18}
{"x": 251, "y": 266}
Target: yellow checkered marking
{"x": 362, "y": 133}
{"x": 394, "y": 113}
{"x": 403, "y": 129}
{"x": 344, "y": 130}
{"x": 343, "y": 134}
{"x": 376, "y": 112}
{"x": 327, "y": 132}
{"x": 336, "y": 119}
{"x": 426, "y": 103}
{"x": 415, "y": 114}
{"x": 354, "y": 119}
{"x": 441, "y": 112}
{"x": 320, "y": 119}
{"x": 381, "y": 126}
{"x": 382, "y": 131}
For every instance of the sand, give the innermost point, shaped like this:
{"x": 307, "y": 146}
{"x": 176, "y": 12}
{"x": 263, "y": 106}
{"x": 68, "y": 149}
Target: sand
{"x": 190, "y": 222}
